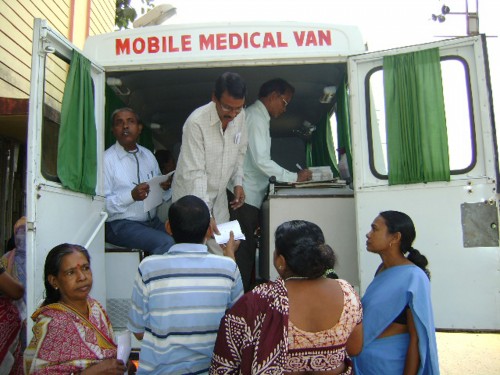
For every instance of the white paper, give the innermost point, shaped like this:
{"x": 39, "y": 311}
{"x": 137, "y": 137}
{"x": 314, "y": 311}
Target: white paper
{"x": 155, "y": 195}
{"x": 225, "y": 229}
{"x": 123, "y": 340}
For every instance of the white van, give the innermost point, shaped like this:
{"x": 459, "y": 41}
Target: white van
{"x": 165, "y": 72}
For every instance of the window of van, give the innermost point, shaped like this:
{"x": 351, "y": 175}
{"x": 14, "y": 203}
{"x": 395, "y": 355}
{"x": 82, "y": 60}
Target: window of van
{"x": 459, "y": 118}
{"x": 56, "y": 73}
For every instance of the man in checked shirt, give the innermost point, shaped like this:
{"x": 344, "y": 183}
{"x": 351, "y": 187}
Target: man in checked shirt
{"x": 214, "y": 143}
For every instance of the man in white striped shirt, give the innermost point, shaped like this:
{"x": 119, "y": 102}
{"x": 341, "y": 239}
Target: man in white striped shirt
{"x": 180, "y": 297}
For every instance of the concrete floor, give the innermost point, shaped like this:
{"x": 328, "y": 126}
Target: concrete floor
{"x": 469, "y": 353}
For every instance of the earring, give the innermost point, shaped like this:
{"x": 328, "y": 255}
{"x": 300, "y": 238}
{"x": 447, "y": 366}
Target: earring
{"x": 390, "y": 244}
{"x": 280, "y": 267}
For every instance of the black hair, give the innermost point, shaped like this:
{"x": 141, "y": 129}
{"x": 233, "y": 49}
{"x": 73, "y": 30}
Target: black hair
{"x": 53, "y": 265}
{"x": 302, "y": 244}
{"x": 233, "y": 83}
{"x": 275, "y": 85}
{"x": 400, "y": 222}
{"x": 189, "y": 219}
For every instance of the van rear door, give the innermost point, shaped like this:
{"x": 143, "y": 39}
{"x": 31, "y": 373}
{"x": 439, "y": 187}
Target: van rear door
{"x": 456, "y": 221}
{"x": 56, "y": 215}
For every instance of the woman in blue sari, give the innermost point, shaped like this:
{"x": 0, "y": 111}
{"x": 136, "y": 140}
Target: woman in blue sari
{"x": 398, "y": 324}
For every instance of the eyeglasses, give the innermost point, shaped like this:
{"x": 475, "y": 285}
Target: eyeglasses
{"x": 284, "y": 101}
{"x": 227, "y": 108}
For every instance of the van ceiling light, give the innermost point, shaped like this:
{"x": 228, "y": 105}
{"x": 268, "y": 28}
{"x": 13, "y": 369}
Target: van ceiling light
{"x": 116, "y": 84}
{"x": 328, "y": 94}
{"x": 156, "y": 16}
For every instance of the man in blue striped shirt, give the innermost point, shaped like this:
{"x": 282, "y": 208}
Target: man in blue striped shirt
{"x": 180, "y": 297}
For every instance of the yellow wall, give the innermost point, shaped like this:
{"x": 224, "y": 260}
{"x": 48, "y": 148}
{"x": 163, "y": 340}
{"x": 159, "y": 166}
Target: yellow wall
{"x": 74, "y": 19}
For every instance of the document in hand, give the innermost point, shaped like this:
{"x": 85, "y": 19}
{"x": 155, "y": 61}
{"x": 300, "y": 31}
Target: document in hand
{"x": 155, "y": 196}
{"x": 226, "y": 228}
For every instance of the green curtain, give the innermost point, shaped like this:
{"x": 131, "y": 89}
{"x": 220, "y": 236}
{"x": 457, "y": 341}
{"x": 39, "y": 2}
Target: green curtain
{"x": 77, "y": 147}
{"x": 417, "y": 140}
{"x": 343, "y": 129}
{"x": 113, "y": 102}
{"x": 321, "y": 150}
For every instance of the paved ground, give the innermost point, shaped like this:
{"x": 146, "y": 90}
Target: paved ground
{"x": 469, "y": 353}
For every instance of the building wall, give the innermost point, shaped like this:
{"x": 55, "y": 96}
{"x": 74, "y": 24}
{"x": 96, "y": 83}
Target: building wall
{"x": 74, "y": 19}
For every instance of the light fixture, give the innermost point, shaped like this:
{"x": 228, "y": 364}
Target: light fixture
{"x": 155, "y": 16}
{"x": 328, "y": 94}
{"x": 116, "y": 84}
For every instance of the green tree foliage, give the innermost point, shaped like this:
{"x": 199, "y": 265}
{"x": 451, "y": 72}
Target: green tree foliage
{"x": 126, "y": 14}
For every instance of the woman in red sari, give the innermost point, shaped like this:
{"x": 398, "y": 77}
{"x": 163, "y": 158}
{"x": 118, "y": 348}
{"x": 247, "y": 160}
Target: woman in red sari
{"x": 10, "y": 324}
{"x": 72, "y": 332}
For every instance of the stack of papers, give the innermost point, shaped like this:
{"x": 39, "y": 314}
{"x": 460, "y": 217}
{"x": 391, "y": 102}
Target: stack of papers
{"x": 225, "y": 229}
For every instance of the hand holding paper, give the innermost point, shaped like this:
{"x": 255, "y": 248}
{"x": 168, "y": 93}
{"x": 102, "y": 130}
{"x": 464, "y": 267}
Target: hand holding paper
{"x": 155, "y": 195}
{"x": 226, "y": 228}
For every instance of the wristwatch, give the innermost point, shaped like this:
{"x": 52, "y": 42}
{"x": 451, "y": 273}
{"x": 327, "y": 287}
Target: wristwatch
{"x": 2, "y": 269}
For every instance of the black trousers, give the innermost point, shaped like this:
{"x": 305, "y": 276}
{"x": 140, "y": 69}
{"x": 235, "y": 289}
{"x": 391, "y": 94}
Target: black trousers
{"x": 248, "y": 218}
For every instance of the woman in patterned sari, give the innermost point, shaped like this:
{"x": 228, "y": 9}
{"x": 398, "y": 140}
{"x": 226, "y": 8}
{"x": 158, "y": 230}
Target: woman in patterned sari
{"x": 11, "y": 359}
{"x": 72, "y": 333}
{"x": 303, "y": 322}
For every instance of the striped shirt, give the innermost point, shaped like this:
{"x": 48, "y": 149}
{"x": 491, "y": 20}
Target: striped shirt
{"x": 178, "y": 301}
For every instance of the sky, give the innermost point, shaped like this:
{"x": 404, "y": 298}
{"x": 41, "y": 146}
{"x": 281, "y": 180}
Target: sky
{"x": 384, "y": 24}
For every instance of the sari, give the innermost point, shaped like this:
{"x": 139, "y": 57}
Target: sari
{"x": 64, "y": 341}
{"x": 253, "y": 337}
{"x": 385, "y": 298}
{"x": 11, "y": 360}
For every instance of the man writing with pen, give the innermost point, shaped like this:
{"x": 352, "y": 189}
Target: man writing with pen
{"x": 127, "y": 169}
{"x": 274, "y": 97}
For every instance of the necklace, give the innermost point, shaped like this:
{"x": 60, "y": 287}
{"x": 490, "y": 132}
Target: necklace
{"x": 296, "y": 278}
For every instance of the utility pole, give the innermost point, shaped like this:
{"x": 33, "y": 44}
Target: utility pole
{"x": 471, "y": 18}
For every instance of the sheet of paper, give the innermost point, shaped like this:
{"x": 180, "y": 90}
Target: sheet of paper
{"x": 124, "y": 342}
{"x": 226, "y": 228}
{"x": 155, "y": 195}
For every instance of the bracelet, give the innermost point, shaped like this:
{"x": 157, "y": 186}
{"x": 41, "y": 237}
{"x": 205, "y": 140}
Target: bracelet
{"x": 2, "y": 269}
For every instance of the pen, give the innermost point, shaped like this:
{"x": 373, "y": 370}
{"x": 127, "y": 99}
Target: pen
{"x": 298, "y": 166}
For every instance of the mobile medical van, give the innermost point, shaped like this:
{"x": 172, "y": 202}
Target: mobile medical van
{"x": 165, "y": 72}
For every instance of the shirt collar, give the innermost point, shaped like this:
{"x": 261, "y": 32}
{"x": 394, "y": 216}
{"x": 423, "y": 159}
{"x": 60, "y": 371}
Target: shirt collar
{"x": 188, "y": 248}
{"x": 262, "y": 108}
{"x": 121, "y": 152}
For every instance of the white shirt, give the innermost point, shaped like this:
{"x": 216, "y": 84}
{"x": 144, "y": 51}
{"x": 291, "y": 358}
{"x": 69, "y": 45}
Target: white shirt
{"x": 258, "y": 166}
{"x": 210, "y": 159}
{"x": 120, "y": 177}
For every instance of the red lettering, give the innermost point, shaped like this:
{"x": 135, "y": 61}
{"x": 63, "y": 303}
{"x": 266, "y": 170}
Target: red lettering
{"x": 253, "y": 43}
{"x": 207, "y": 42}
{"x": 164, "y": 44}
{"x": 235, "y": 41}
{"x": 122, "y": 46}
{"x": 153, "y": 44}
{"x": 186, "y": 42}
{"x": 325, "y": 37}
{"x": 221, "y": 41}
{"x": 268, "y": 41}
{"x": 171, "y": 47}
{"x": 299, "y": 38}
{"x": 281, "y": 43}
{"x": 139, "y": 45}
{"x": 311, "y": 39}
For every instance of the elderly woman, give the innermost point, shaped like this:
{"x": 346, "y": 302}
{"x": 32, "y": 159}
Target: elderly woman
{"x": 72, "y": 332}
{"x": 303, "y": 322}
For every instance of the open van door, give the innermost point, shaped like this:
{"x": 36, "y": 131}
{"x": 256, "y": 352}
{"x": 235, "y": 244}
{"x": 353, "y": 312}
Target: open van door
{"x": 456, "y": 221}
{"x": 55, "y": 214}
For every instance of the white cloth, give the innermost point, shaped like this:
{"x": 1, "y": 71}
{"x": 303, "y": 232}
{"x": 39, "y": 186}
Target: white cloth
{"x": 258, "y": 166}
{"x": 120, "y": 177}
{"x": 210, "y": 159}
